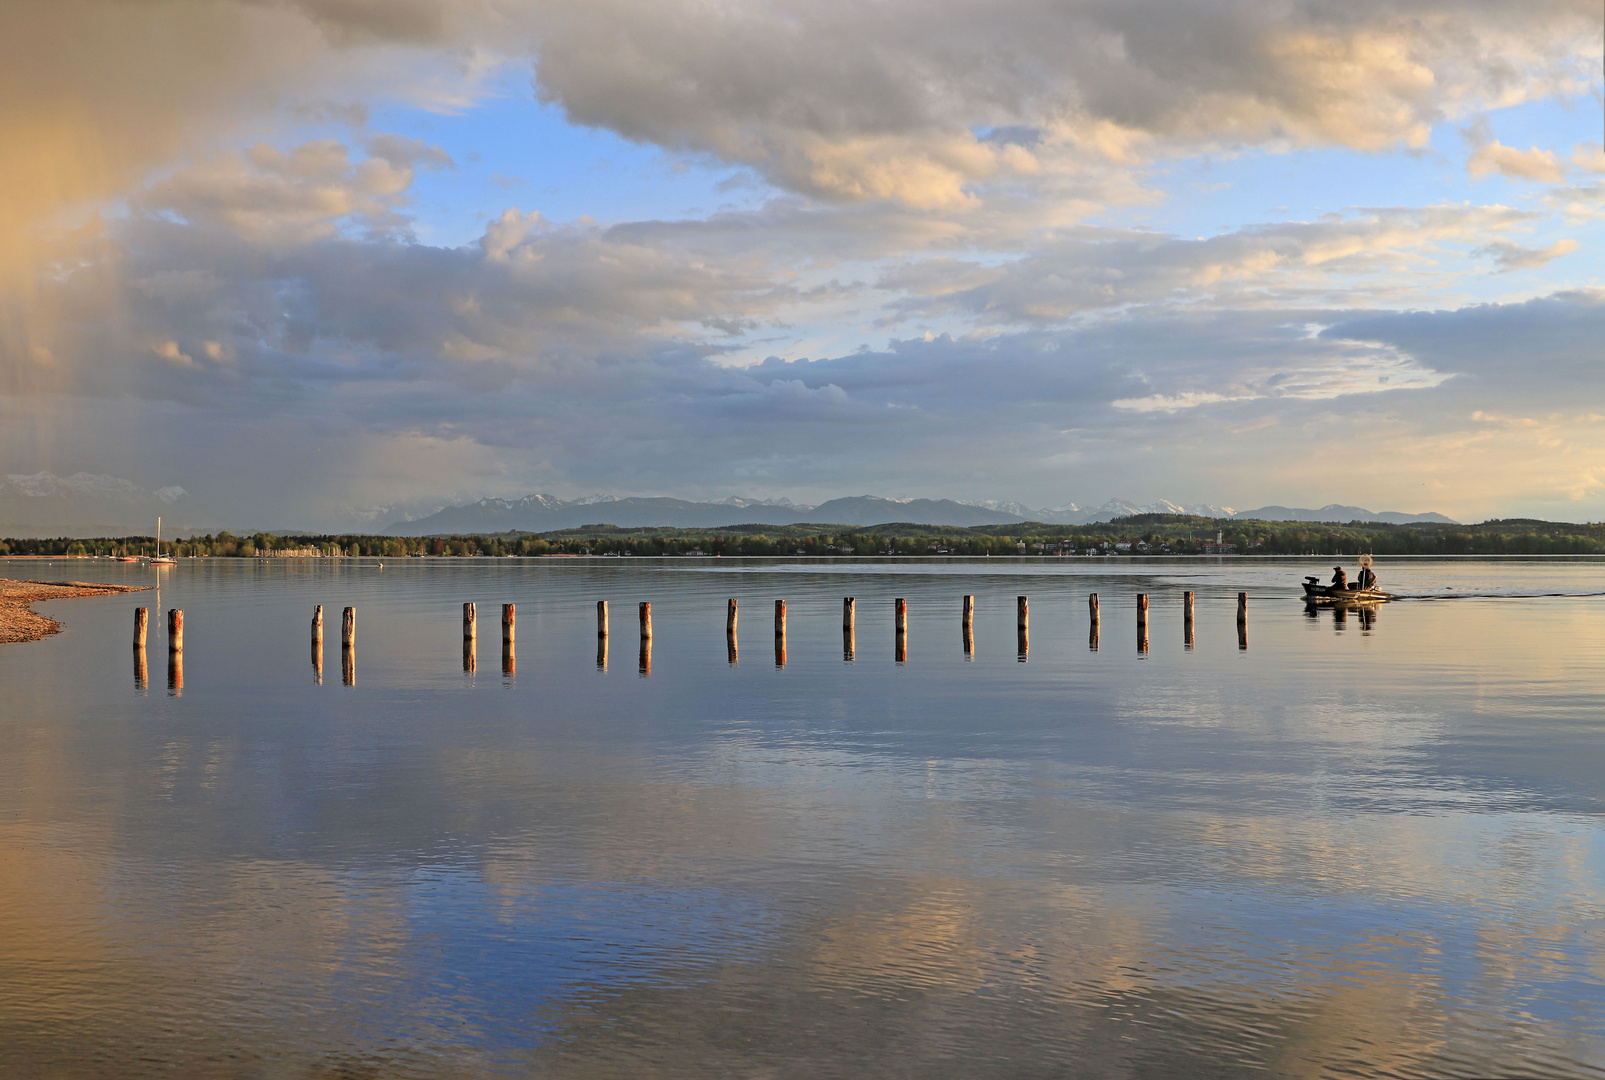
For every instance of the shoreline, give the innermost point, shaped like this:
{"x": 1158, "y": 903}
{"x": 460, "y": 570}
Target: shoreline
{"x": 20, "y": 623}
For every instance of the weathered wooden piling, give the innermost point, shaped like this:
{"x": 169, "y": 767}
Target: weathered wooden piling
{"x": 967, "y": 627}
{"x": 902, "y": 616}
{"x": 1242, "y": 620}
{"x": 141, "y": 624}
{"x": 730, "y": 614}
{"x": 1187, "y": 619}
{"x": 470, "y": 622}
{"x": 1092, "y": 607}
{"x": 509, "y": 623}
{"x": 175, "y": 630}
{"x": 348, "y": 628}
{"x": 732, "y": 652}
{"x": 780, "y": 618}
{"x": 317, "y": 625}
{"x": 1022, "y": 614}
{"x": 646, "y": 620}
{"x": 780, "y": 650}
{"x": 1142, "y": 622}
{"x": 601, "y": 652}
{"x": 847, "y": 613}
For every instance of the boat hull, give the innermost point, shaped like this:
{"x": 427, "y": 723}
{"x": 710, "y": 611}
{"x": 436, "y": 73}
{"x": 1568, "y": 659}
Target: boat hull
{"x": 1326, "y": 594}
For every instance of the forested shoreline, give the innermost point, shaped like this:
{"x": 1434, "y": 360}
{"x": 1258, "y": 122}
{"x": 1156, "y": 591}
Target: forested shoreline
{"x": 1148, "y": 534}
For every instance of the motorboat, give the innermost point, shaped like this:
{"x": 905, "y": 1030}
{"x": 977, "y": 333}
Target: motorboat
{"x": 1317, "y": 593}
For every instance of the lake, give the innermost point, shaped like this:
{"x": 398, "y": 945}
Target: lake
{"x": 1358, "y": 847}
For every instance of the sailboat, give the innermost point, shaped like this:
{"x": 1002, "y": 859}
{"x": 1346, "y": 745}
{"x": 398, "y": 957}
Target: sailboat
{"x": 160, "y": 559}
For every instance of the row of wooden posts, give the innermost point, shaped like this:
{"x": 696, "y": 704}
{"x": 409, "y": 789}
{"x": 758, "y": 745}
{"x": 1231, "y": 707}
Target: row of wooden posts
{"x": 348, "y": 634}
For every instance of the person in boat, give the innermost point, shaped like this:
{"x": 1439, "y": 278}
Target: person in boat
{"x": 1340, "y": 578}
{"x": 1368, "y": 578}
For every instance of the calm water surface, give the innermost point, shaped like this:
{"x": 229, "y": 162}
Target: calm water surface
{"x": 1356, "y": 848}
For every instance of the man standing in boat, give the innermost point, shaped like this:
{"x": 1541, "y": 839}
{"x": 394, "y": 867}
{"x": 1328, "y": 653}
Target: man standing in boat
{"x": 1368, "y": 579}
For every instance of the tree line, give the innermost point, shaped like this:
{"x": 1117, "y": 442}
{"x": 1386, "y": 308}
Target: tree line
{"x": 1155, "y": 534}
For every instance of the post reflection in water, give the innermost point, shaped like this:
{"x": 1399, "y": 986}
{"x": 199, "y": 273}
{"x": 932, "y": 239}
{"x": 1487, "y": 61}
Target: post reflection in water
{"x": 1092, "y": 636}
{"x": 348, "y": 665}
{"x": 470, "y": 656}
{"x": 849, "y": 644}
{"x": 732, "y": 652}
{"x": 317, "y": 661}
{"x": 509, "y": 661}
{"x": 780, "y": 650}
{"x": 141, "y": 670}
{"x": 969, "y": 642}
{"x": 1368, "y": 617}
{"x": 175, "y": 673}
{"x": 1022, "y": 645}
{"x": 601, "y": 652}
{"x": 644, "y": 662}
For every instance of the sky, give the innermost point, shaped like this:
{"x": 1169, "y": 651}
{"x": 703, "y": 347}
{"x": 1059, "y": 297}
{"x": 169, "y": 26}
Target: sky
{"x": 326, "y": 263}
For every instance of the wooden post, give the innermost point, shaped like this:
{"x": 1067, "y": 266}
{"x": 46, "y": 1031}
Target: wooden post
{"x": 847, "y": 613}
{"x": 1142, "y": 622}
{"x": 175, "y": 630}
{"x": 1022, "y": 614}
{"x": 732, "y": 653}
{"x": 1242, "y": 620}
{"x": 730, "y": 616}
{"x": 317, "y": 625}
{"x": 1187, "y": 619}
{"x": 348, "y": 628}
{"x": 780, "y": 618}
{"x": 141, "y": 623}
{"x": 470, "y": 622}
{"x": 780, "y": 649}
{"x": 1092, "y": 607}
{"x": 646, "y": 620}
{"x": 601, "y": 618}
{"x": 902, "y": 616}
{"x": 601, "y": 652}
{"x": 509, "y": 623}
{"x": 967, "y": 627}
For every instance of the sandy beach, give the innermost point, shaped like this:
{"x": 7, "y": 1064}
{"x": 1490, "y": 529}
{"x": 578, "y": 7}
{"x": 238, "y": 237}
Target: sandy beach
{"x": 18, "y": 620}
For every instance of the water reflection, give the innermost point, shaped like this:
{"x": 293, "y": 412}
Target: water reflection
{"x": 348, "y": 665}
{"x": 509, "y": 661}
{"x": 644, "y": 661}
{"x": 601, "y": 652}
{"x": 1022, "y": 644}
{"x": 1234, "y": 865}
{"x": 849, "y": 644}
{"x": 317, "y": 661}
{"x": 141, "y": 669}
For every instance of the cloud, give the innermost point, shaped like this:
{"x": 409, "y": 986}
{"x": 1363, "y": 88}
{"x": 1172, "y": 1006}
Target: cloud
{"x": 1507, "y": 161}
{"x": 1512, "y": 256}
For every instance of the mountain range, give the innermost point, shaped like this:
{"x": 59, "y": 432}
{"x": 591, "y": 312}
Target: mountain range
{"x": 544, "y": 513}
{"x": 91, "y": 504}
